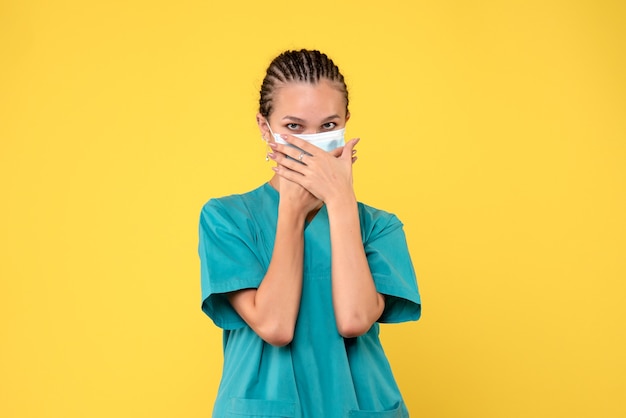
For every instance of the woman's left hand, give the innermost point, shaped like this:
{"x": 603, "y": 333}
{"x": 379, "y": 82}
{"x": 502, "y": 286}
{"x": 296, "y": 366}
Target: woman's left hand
{"x": 326, "y": 175}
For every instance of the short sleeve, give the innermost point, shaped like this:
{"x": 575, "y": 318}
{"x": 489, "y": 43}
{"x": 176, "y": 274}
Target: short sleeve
{"x": 392, "y": 269}
{"x": 228, "y": 261}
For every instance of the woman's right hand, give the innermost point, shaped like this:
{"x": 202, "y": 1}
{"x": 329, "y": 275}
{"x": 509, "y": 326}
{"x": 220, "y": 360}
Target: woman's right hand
{"x": 292, "y": 194}
{"x": 296, "y": 197}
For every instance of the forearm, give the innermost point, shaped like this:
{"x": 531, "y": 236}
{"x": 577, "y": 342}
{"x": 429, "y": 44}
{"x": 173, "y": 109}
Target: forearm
{"x": 356, "y": 302}
{"x": 272, "y": 309}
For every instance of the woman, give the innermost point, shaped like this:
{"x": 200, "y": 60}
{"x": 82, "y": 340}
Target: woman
{"x": 297, "y": 272}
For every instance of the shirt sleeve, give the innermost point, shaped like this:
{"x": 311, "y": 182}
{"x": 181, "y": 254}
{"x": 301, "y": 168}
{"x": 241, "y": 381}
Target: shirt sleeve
{"x": 228, "y": 261}
{"x": 390, "y": 263}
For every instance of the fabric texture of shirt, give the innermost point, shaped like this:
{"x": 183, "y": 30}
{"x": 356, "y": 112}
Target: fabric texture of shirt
{"x": 319, "y": 374}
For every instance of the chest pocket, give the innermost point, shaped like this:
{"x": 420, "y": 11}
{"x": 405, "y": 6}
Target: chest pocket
{"x": 240, "y": 408}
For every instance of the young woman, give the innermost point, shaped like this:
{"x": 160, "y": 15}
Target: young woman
{"x": 297, "y": 273}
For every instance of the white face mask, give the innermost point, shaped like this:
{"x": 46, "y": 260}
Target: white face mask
{"x": 327, "y": 141}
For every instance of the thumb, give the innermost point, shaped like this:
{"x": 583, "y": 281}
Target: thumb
{"x": 347, "y": 149}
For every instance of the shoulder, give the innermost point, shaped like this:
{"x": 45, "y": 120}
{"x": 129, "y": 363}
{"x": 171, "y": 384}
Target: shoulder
{"x": 372, "y": 216}
{"x": 234, "y": 205}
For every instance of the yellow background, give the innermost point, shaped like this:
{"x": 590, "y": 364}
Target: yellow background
{"x": 496, "y": 130}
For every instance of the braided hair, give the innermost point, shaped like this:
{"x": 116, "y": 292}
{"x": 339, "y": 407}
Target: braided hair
{"x": 298, "y": 66}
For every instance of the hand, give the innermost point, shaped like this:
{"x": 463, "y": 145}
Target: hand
{"x": 326, "y": 175}
{"x": 297, "y": 197}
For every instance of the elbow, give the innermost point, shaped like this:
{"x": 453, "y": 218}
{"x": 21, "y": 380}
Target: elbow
{"x": 354, "y": 327}
{"x": 279, "y": 340}
{"x": 277, "y": 335}
{"x": 355, "y": 323}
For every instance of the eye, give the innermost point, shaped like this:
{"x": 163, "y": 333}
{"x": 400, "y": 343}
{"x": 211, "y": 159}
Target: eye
{"x": 293, "y": 126}
{"x": 329, "y": 125}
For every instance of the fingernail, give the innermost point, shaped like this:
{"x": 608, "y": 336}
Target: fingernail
{"x": 272, "y": 145}
{"x": 271, "y": 155}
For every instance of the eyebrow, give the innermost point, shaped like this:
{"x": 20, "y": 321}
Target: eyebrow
{"x": 295, "y": 119}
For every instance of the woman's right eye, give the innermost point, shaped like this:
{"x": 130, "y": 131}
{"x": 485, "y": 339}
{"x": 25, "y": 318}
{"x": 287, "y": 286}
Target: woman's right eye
{"x": 293, "y": 126}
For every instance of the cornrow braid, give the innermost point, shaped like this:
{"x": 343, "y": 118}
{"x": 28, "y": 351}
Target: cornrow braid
{"x": 305, "y": 65}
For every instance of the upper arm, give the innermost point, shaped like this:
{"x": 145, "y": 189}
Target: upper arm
{"x": 228, "y": 263}
{"x": 392, "y": 270}
{"x": 242, "y": 302}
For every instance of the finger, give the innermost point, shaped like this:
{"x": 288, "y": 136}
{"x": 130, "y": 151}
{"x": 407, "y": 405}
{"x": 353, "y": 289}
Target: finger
{"x": 281, "y": 148}
{"x": 348, "y": 149}
{"x": 353, "y": 154}
{"x": 301, "y": 143}
{"x": 337, "y": 151}
{"x": 294, "y": 164}
{"x": 288, "y": 174}
{"x": 290, "y": 151}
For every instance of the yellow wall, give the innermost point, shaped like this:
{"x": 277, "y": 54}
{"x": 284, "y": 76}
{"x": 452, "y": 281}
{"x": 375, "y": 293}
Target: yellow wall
{"x": 495, "y": 130}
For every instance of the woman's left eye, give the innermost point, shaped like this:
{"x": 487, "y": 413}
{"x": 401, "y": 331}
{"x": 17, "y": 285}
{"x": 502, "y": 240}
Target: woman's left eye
{"x": 329, "y": 125}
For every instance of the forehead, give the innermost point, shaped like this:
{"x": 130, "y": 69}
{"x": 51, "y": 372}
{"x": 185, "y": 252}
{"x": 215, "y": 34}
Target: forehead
{"x": 322, "y": 98}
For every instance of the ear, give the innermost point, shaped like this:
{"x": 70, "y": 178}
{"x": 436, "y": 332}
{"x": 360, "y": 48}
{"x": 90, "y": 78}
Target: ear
{"x": 265, "y": 130}
{"x": 347, "y": 116}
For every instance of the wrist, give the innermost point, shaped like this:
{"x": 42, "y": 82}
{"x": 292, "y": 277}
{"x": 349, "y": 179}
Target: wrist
{"x": 291, "y": 214}
{"x": 342, "y": 202}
